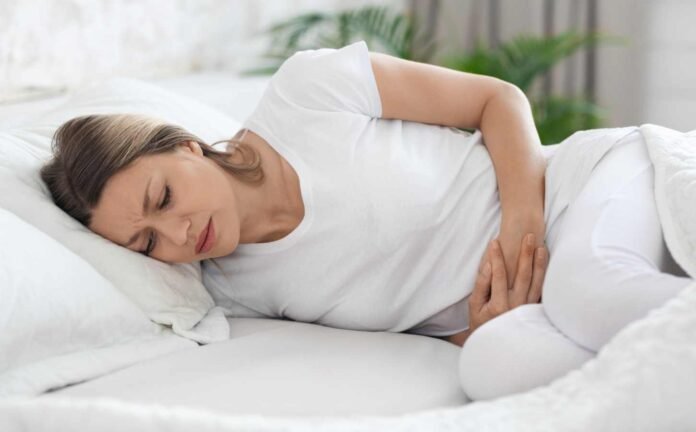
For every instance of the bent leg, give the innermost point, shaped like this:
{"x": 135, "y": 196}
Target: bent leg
{"x": 515, "y": 352}
{"x": 610, "y": 265}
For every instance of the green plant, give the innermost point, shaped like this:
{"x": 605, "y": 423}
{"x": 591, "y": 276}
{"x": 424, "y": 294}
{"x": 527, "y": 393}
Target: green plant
{"x": 382, "y": 29}
{"x": 525, "y": 59}
{"x": 556, "y": 118}
{"x": 521, "y": 61}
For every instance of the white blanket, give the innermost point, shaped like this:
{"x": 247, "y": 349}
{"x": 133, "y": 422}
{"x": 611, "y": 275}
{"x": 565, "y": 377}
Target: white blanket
{"x": 644, "y": 379}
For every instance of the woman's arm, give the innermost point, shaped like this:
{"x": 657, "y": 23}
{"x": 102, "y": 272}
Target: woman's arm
{"x": 512, "y": 141}
{"x": 432, "y": 94}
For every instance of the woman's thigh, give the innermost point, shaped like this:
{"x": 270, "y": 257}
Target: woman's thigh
{"x": 610, "y": 265}
{"x": 515, "y": 352}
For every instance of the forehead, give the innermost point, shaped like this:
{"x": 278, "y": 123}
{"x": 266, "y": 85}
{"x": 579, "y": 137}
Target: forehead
{"x": 141, "y": 170}
{"x": 121, "y": 202}
{"x": 135, "y": 176}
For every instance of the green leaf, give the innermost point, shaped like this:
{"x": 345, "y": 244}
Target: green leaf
{"x": 288, "y": 34}
{"x": 557, "y": 118}
{"x": 525, "y": 58}
{"x": 375, "y": 24}
{"x": 268, "y": 70}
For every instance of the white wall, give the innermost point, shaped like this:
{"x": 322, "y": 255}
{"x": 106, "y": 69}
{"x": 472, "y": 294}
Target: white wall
{"x": 670, "y": 64}
{"x": 653, "y": 79}
{"x": 57, "y": 44}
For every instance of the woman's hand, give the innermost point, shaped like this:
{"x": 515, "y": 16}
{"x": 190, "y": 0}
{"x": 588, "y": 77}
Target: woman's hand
{"x": 492, "y": 297}
{"x": 512, "y": 231}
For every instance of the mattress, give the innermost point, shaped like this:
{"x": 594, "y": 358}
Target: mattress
{"x": 276, "y": 367}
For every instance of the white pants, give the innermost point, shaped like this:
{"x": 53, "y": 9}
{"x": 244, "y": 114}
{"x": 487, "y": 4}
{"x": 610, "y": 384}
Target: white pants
{"x": 608, "y": 266}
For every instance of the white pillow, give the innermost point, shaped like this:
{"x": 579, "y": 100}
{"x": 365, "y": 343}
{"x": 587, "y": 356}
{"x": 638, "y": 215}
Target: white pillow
{"x": 169, "y": 294}
{"x": 60, "y": 320}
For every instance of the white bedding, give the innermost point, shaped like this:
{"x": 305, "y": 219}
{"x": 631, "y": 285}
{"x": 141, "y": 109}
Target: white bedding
{"x": 286, "y": 368}
{"x": 643, "y": 380}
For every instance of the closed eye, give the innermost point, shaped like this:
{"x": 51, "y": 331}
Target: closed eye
{"x": 152, "y": 240}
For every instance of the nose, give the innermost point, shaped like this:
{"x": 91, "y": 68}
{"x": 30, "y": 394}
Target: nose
{"x": 176, "y": 229}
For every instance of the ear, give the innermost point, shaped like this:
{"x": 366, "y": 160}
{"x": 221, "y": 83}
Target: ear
{"x": 192, "y": 146}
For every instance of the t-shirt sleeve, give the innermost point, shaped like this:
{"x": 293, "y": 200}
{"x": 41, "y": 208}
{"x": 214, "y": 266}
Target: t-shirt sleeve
{"x": 330, "y": 79}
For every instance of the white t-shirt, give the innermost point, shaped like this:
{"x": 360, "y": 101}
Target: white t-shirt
{"x": 397, "y": 214}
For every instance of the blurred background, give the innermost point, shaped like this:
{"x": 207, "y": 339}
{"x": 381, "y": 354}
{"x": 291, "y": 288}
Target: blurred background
{"x": 583, "y": 63}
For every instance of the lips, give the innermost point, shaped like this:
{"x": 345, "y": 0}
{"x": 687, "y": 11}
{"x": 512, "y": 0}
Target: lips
{"x": 202, "y": 237}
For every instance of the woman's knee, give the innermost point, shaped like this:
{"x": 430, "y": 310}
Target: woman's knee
{"x": 484, "y": 362}
{"x": 516, "y": 352}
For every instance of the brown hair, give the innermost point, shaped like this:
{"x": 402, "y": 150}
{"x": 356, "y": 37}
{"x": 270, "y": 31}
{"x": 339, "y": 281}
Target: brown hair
{"x": 88, "y": 150}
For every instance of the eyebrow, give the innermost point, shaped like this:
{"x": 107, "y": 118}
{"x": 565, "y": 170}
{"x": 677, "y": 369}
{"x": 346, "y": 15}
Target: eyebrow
{"x": 146, "y": 203}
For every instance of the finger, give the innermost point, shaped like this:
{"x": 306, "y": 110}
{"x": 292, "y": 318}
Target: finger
{"x": 499, "y": 287}
{"x": 482, "y": 289}
{"x": 541, "y": 261}
{"x": 523, "y": 278}
{"x": 486, "y": 257}
{"x": 510, "y": 260}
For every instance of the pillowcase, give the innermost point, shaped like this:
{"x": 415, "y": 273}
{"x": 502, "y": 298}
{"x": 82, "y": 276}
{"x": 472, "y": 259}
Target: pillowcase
{"x": 170, "y": 294}
{"x": 60, "y": 320}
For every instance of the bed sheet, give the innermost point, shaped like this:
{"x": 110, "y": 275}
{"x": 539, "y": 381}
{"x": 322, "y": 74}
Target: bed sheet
{"x": 277, "y": 367}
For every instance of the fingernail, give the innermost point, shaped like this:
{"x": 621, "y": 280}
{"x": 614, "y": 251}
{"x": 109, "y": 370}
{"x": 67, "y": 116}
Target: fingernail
{"x": 487, "y": 269}
{"x": 494, "y": 244}
{"x": 530, "y": 239}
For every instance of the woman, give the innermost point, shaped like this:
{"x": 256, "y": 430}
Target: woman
{"x": 349, "y": 198}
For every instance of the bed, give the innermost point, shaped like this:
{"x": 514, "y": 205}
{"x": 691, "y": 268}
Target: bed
{"x": 100, "y": 348}
{"x": 268, "y": 367}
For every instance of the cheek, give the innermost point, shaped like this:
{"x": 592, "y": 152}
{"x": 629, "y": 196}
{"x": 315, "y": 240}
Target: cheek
{"x": 193, "y": 192}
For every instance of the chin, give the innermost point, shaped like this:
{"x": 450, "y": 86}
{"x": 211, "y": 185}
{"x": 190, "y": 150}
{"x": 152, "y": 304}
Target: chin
{"x": 179, "y": 262}
{"x": 220, "y": 255}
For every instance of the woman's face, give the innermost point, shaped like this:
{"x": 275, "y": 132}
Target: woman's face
{"x": 183, "y": 190}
